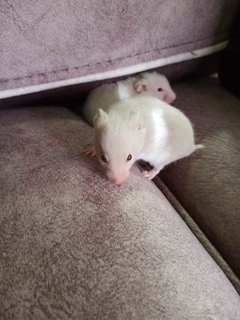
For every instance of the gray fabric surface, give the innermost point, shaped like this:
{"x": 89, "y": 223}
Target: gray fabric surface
{"x": 45, "y": 41}
{"x": 194, "y": 227}
{"x": 73, "y": 246}
{"x": 208, "y": 183}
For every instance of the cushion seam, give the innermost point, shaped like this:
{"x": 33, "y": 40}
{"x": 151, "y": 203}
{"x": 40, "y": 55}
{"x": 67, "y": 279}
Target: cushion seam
{"x": 199, "y": 234}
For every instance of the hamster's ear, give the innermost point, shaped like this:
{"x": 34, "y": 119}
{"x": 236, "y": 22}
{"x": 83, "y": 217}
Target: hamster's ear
{"x": 169, "y": 97}
{"x": 140, "y": 86}
{"x": 135, "y": 122}
{"x": 132, "y": 116}
{"x": 100, "y": 119}
{"x": 141, "y": 129}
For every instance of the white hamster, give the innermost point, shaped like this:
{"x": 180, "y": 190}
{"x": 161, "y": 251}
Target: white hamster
{"x": 147, "y": 83}
{"x": 140, "y": 128}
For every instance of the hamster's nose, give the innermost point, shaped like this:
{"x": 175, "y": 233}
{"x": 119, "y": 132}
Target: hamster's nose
{"x": 118, "y": 181}
{"x": 117, "y": 177}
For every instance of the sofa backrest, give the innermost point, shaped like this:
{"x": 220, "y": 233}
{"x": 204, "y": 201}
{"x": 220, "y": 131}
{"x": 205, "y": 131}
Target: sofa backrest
{"x": 47, "y": 45}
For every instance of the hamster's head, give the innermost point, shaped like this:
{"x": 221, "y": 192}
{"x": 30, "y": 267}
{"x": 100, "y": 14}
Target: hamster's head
{"x": 119, "y": 139}
{"x": 156, "y": 85}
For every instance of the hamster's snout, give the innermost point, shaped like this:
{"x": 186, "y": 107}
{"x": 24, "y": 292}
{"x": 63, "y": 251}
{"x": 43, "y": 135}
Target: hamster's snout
{"x": 117, "y": 178}
{"x": 118, "y": 181}
{"x": 170, "y": 97}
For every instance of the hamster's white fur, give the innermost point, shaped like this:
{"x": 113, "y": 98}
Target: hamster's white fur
{"x": 147, "y": 83}
{"x": 140, "y": 128}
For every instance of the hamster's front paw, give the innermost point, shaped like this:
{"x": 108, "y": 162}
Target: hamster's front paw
{"x": 89, "y": 151}
{"x": 150, "y": 174}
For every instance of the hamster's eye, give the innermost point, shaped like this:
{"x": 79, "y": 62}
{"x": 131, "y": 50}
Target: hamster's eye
{"x": 104, "y": 159}
{"x": 129, "y": 157}
{"x": 160, "y": 89}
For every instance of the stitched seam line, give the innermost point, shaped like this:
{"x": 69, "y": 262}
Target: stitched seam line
{"x": 98, "y": 63}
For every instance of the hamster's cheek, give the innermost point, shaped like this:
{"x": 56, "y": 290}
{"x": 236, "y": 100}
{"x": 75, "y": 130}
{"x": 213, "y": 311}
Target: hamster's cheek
{"x": 162, "y": 95}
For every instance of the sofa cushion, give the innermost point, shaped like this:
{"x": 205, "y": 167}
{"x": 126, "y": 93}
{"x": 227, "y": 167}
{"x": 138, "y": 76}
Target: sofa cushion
{"x": 73, "y": 246}
{"x": 45, "y": 43}
{"x": 207, "y": 184}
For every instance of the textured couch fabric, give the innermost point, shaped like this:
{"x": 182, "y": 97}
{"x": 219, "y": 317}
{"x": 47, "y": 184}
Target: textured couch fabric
{"x": 209, "y": 187}
{"x": 47, "y": 41}
{"x": 73, "y": 246}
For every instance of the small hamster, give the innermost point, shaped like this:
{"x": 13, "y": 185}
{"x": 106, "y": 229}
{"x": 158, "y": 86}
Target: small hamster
{"x": 140, "y": 128}
{"x": 147, "y": 83}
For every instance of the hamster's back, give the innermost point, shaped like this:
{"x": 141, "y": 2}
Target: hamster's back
{"x": 180, "y": 135}
{"x": 155, "y": 114}
{"x": 101, "y": 97}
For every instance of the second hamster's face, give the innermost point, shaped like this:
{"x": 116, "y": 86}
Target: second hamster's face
{"x": 155, "y": 85}
{"x": 118, "y": 144}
